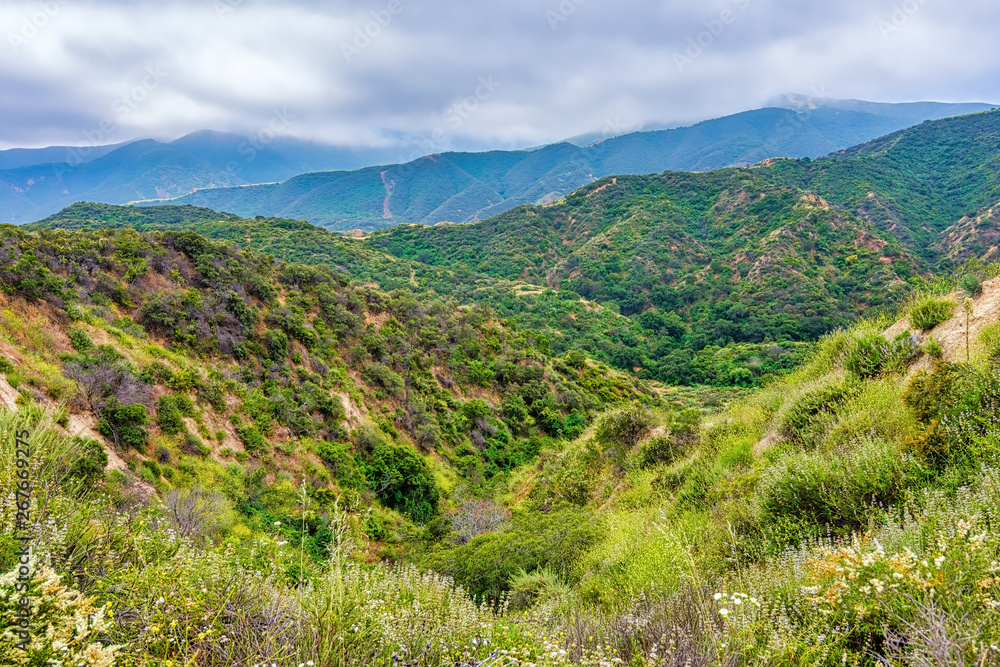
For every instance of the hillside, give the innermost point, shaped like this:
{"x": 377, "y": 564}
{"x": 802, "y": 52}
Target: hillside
{"x": 355, "y": 476}
{"x": 464, "y": 187}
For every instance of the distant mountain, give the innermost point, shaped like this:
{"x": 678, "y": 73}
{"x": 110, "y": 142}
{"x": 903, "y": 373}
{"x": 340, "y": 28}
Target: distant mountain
{"x": 465, "y": 187}
{"x": 293, "y": 178}
{"x": 785, "y": 250}
{"x": 15, "y": 158}
{"x": 139, "y": 170}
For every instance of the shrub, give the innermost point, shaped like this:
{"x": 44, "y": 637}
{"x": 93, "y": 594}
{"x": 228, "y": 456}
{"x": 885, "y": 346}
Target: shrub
{"x": 6, "y": 365}
{"x": 194, "y": 446}
{"x": 933, "y": 348}
{"x": 872, "y": 355}
{"x": 340, "y": 460}
{"x": 124, "y": 424}
{"x": 625, "y": 427}
{"x": 930, "y": 312}
{"x": 403, "y": 481}
{"x": 89, "y": 467}
{"x": 796, "y": 418}
{"x": 168, "y": 416}
{"x": 971, "y": 284}
{"x": 80, "y": 341}
{"x": 538, "y": 587}
{"x": 814, "y": 491}
{"x": 252, "y": 439}
{"x": 488, "y": 564}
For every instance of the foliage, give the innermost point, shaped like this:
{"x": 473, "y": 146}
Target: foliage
{"x": 930, "y": 312}
{"x": 403, "y": 481}
{"x": 124, "y": 424}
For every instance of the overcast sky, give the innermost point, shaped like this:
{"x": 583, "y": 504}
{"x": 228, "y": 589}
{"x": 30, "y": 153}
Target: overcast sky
{"x": 472, "y": 73}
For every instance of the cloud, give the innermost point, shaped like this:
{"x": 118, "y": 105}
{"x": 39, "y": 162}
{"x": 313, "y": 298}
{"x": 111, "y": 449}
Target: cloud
{"x": 385, "y": 72}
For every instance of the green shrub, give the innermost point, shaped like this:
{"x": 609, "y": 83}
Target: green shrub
{"x": 252, "y": 439}
{"x": 89, "y": 467}
{"x": 933, "y": 348}
{"x": 971, "y": 284}
{"x": 6, "y": 365}
{"x": 195, "y": 447}
{"x": 80, "y": 341}
{"x": 930, "y": 312}
{"x": 839, "y": 491}
{"x": 124, "y": 424}
{"x": 796, "y": 419}
{"x": 871, "y": 355}
{"x": 538, "y": 587}
{"x": 403, "y": 481}
{"x": 488, "y": 564}
{"x": 342, "y": 464}
{"x": 168, "y": 416}
{"x": 624, "y": 428}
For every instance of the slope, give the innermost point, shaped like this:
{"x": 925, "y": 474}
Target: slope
{"x": 463, "y": 187}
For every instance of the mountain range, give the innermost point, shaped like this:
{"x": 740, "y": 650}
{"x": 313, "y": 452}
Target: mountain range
{"x": 656, "y": 273}
{"x": 285, "y": 177}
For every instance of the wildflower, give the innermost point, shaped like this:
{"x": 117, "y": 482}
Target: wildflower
{"x": 277, "y": 523}
{"x": 717, "y": 597}
{"x": 724, "y": 612}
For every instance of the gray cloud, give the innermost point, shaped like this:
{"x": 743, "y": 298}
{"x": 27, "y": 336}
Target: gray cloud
{"x": 385, "y": 72}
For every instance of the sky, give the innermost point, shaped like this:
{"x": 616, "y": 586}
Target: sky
{"x": 473, "y": 74}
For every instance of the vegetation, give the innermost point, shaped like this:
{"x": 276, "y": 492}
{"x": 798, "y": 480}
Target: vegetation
{"x": 238, "y": 459}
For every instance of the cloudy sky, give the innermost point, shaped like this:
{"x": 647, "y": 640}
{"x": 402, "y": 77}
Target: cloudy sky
{"x": 466, "y": 74}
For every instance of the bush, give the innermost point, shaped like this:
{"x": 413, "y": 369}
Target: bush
{"x": 488, "y": 564}
{"x": 813, "y": 491}
{"x": 168, "y": 416}
{"x": 89, "y": 467}
{"x": 124, "y": 424}
{"x": 253, "y": 441}
{"x": 871, "y": 355}
{"x": 6, "y": 365}
{"x": 195, "y": 447}
{"x": 971, "y": 284}
{"x": 930, "y": 312}
{"x": 340, "y": 460}
{"x": 933, "y": 348}
{"x": 403, "y": 481}
{"x": 538, "y": 587}
{"x": 624, "y": 428}
{"x": 80, "y": 341}
{"x": 796, "y": 418}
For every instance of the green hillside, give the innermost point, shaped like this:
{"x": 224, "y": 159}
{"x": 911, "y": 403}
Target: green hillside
{"x": 567, "y": 321}
{"x": 238, "y": 460}
{"x": 467, "y": 187}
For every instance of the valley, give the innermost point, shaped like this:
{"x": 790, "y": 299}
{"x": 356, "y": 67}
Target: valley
{"x": 734, "y": 417}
